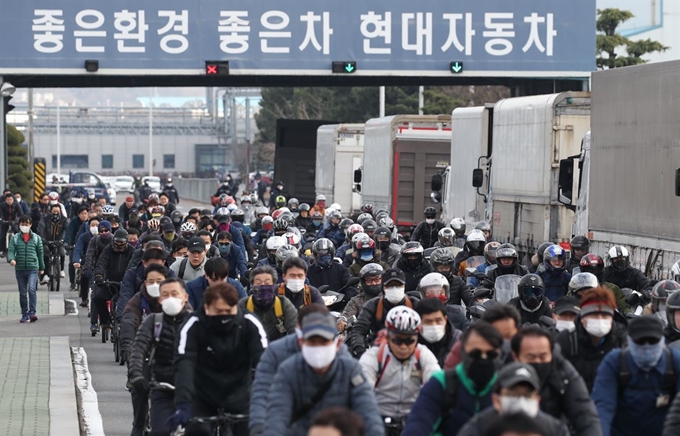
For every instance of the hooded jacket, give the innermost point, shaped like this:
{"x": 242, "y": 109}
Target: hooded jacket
{"x": 355, "y": 268}
{"x": 335, "y": 276}
{"x": 112, "y": 264}
{"x": 631, "y": 278}
{"x": 140, "y": 306}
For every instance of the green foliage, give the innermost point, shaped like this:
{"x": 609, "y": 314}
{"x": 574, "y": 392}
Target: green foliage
{"x": 608, "y": 41}
{"x": 20, "y": 178}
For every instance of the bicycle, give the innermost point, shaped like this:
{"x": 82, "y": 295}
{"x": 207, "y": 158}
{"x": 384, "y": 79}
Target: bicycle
{"x": 54, "y": 266}
{"x": 155, "y": 386}
{"x": 221, "y": 424}
{"x": 10, "y": 233}
{"x": 394, "y": 426}
{"x": 111, "y": 307}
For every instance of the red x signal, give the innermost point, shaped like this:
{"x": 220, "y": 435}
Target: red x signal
{"x": 217, "y": 68}
{"x": 211, "y": 69}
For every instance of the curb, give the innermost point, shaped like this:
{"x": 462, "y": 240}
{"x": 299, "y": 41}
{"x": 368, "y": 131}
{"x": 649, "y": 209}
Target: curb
{"x": 63, "y": 405}
{"x": 56, "y": 303}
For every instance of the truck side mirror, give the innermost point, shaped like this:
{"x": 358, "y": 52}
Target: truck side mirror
{"x": 436, "y": 183}
{"x": 357, "y": 175}
{"x": 357, "y": 187}
{"x": 566, "y": 182}
{"x": 436, "y": 197}
{"x": 477, "y": 178}
{"x": 677, "y": 182}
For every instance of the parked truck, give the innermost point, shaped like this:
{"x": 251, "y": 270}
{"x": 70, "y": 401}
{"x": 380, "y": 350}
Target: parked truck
{"x": 401, "y": 154}
{"x": 339, "y": 152}
{"x": 626, "y": 180}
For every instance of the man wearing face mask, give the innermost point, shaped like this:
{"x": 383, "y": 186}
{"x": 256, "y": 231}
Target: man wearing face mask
{"x": 70, "y": 239}
{"x": 277, "y": 314}
{"x": 324, "y": 271}
{"x": 140, "y": 306}
{"x": 635, "y": 386}
{"x": 517, "y": 391}
{"x": 316, "y": 379}
{"x": 531, "y": 303}
{"x": 435, "y": 285}
{"x": 412, "y": 262}
{"x": 25, "y": 255}
{"x": 372, "y": 316}
{"x": 168, "y": 235}
{"x": 52, "y": 229}
{"x": 389, "y": 251}
{"x": 565, "y": 312}
{"x": 216, "y": 271}
{"x": 79, "y": 249}
{"x": 454, "y": 396}
{"x": 437, "y": 333}
{"x": 217, "y": 351}
{"x": 426, "y": 231}
{"x": 563, "y": 392}
{"x": 155, "y": 341}
{"x": 233, "y": 256}
{"x": 10, "y": 211}
{"x": 370, "y": 287}
{"x": 596, "y": 333}
{"x": 399, "y": 367}
{"x": 294, "y": 288}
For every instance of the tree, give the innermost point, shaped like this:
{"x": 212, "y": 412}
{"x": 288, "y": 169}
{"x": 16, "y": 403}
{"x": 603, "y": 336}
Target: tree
{"x": 20, "y": 179}
{"x": 608, "y": 41}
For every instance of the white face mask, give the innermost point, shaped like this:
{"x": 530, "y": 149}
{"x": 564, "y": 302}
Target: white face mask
{"x": 154, "y": 290}
{"x": 94, "y": 231}
{"x": 295, "y": 285}
{"x": 598, "y": 327}
{"x": 394, "y": 294}
{"x": 562, "y": 325}
{"x": 519, "y": 404}
{"x": 24, "y": 229}
{"x": 429, "y": 221}
{"x": 172, "y": 306}
{"x": 433, "y": 333}
{"x": 207, "y": 247}
{"x": 319, "y": 357}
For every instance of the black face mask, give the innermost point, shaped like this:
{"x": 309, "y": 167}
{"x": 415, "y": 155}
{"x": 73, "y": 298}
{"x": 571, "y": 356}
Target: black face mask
{"x": 384, "y": 245}
{"x": 371, "y": 291}
{"x": 221, "y": 322}
{"x": 479, "y": 370}
{"x": 543, "y": 371}
{"x": 531, "y": 302}
{"x": 56, "y": 217}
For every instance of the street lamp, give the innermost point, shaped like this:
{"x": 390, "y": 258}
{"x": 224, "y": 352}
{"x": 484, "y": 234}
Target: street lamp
{"x": 7, "y": 89}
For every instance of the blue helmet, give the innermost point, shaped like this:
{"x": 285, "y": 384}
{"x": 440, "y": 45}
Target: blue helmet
{"x": 554, "y": 252}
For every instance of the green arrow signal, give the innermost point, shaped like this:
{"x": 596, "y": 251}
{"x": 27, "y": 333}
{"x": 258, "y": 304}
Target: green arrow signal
{"x": 457, "y": 67}
{"x": 349, "y": 68}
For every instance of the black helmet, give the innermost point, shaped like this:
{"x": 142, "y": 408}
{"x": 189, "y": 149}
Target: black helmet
{"x": 660, "y": 293}
{"x": 580, "y": 246}
{"x": 304, "y": 207}
{"x": 442, "y": 257}
{"x": 280, "y": 225}
{"x": 371, "y": 270}
{"x": 345, "y": 223}
{"x": 176, "y": 217}
{"x": 120, "y": 236}
{"x": 323, "y": 246}
{"x": 382, "y": 237}
{"x": 380, "y": 215}
{"x": 286, "y": 216}
{"x": 364, "y": 217}
{"x": 506, "y": 251}
{"x": 430, "y": 212}
{"x": 541, "y": 250}
{"x": 672, "y": 306}
{"x": 367, "y": 208}
{"x": 369, "y": 227}
{"x": 334, "y": 215}
{"x": 531, "y": 290}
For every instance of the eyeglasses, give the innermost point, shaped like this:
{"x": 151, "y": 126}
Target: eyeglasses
{"x": 477, "y": 354}
{"x": 403, "y": 341}
{"x": 373, "y": 281}
{"x": 647, "y": 341}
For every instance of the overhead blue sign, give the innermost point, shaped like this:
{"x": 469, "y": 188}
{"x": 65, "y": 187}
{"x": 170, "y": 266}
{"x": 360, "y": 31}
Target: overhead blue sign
{"x": 384, "y": 37}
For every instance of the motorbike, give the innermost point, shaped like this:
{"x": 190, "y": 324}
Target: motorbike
{"x": 336, "y": 301}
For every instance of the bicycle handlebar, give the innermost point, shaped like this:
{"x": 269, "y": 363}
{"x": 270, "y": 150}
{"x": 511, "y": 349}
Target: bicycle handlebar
{"x": 224, "y": 417}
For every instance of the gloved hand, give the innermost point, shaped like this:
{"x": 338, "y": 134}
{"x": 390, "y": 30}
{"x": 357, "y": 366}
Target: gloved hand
{"x": 99, "y": 281}
{"x": 358, "y": 351}
{"x": 245, "y": 282}
{"x": 140, "y": 384}
{"x": 180, "y": 417}
{"x": 125, "y": 345}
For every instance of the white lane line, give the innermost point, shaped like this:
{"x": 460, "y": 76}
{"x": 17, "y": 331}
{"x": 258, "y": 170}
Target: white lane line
{"x": 91, "y": 419}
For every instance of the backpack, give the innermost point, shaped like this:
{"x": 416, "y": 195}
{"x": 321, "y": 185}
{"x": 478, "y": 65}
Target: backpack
{"x": 669, "y": 377}
{"x": 182, "y": 268}
{"x": 307, "y": 294}
{"x": 380, "y": 308}
{"x": 383, "y": 362}
{"x": 157, "y": 329}
{"x": 278, "y": 311}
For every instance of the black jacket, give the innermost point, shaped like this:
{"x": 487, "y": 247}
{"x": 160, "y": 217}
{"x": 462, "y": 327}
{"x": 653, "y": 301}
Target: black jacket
{"x": 672, "y": 424}
{"x": 479, "y": 424}
{"x": 413, "y": 276}
{"x": 124, "y": 211}
{"x": 10, "y": 213}
{"x": 564, "y": 394}
{"x": 578, "y": 348}
{"x": 112, "y": 264}
{"x": 631, "y": 278}
{"x": 459, "y": 290}
{"x": 427, "y": 234}
{"x": 368, "y": 323}
{"x": 494, "y": 273}
{"x": 50, "y": 230}
{"x": 442, "y": 348}
{"x": 217, "y": 364}
{"x": 531, "y": 317}
{"x": 335, "y": 276}
{"x": 145, "y": 340}
{"x": 173, "y": 195}
{"x": 136, "y": 310}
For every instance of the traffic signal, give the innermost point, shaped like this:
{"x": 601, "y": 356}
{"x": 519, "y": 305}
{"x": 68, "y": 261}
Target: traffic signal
{"x": 6, "y": 106}
{"x": 344, "y": 67}
{"x": 216, "y": 68}
{"x": 456, "y": 67}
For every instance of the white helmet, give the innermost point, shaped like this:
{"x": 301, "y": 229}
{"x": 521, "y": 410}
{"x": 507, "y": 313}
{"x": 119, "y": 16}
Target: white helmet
{"x": 403, "y": 320}
{"x": 292, "y": 239}
{"x": 476, "y": 236}
{"x": 336, "y": 206}
{"x": 262, "y": 210}
{"x": 231, "y": 207}
{"x": 187, "y": 227}
{"x": 320, "y": 197}
{"x": 458, "y": 226}
{"x": 358, "y": 236}
{"x": 433, "y": 281}
{"x": 675, "y": 271}
{"x": 274, "y": 243}
{"x": 583, "y": 281}
{"x": 222, "y": 211}
{"x": 619, "y": 258}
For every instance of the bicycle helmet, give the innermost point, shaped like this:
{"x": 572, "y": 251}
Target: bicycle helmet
{"x": 412, "y": 253}
{"x": 153, "y": 224}
{"x": 267, "y": 223}
{"x": 153, "y": 197}
{"x": 581, "y": 282}
{"x": 280, "y": 226}
{"x": 176, "y": 217}
{"x": 353, "y": 230}
{"x": 475, "y": 243}
{"x": 323, "y": 246}
{"x": 484, "y": 227}
{"x": 554, "y": 252}
{"x": 261, "y": 210}
{"x": 660, "y": 293}
{"x": 402, "y": 320}
{"x": 458, "y": 226}
{"x": 222, "y": 211}
{"x": 430, "y": 212}
{"x": 345, "y": 223}
{"x": 673, "y": 306}
{"x": 490, "y": 252}
{"x": 364, "y": 217}
{"x": 592, "y": 263}
{"x": 446, "y": 236}
{"x": 53, "y": 196}
{"x": 284, "y": 252}
{"x": 506, "y": 251}
{"x": 222, "y": 200}
{"x": 304, "y": 207}
{"x": 293, "y": 204}
{"x": 432, "y": 285}
{"x": 580, "y": 246}
{"x": 232, "y": 207}
{"x": 187, "y": 227}
{"x": 292, "y": 239}
{"x": 442, "y": 261}
{"x": 288, "y": 217}
{"x": 531, "y": 290}
{"x": 272, "y": 245}
{"x": 371, "y": 270}
{"x": 108, "y": 209}
{"x": 386, "y": 222}
{"x": 156, "y": 211}
{"x": 238, "y": 215}
{"x": 320, "y": 197}
{"x": 619, "y": 258}
{"x": 280, "y": 201}
{"x": 369, "y": 227}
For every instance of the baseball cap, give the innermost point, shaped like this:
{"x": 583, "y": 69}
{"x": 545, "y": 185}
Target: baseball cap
{"x": 567, "y": 305}
{"x": 168, "y": 227}
{"x": 515, "y": 373}
{"x": 319, "y": 324}
{"x": 196, "y": 244}
{"x": 130, "y": 198}
{"x": 394, "y": 274}
{"x": 647, "y": 326}
{"x": 133, "y": 211}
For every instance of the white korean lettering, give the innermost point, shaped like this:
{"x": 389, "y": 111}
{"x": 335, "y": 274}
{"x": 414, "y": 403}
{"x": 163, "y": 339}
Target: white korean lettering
{"x": 453, "y": 40}
{"x": 275, "y": 22}
{"x": 125, "y": 23}
{"x": 236, "y": 26}
{"x": 310, "y": 36}
{"x": 500, "y": 31}
{"x": 535, "y": 39}
{"x": 90, "y": 20}
{"x": 423, "y": 27}
{"x": 47, "y": 23}
{"x": 174, "y": 43}
{"x": 382, "y": 28}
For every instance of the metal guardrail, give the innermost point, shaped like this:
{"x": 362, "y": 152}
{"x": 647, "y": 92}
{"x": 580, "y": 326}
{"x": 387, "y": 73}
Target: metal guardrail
{"x": 198, "y": 190}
